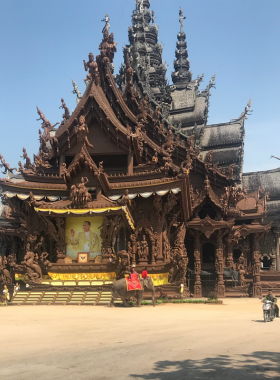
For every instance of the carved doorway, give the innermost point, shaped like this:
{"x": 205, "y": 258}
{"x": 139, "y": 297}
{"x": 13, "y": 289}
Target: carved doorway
{"x": 208, "y": 273}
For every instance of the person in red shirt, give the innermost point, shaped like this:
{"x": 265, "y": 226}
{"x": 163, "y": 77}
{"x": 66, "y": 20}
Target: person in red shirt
{"x": 133, "y": 282}
{"x": 144, "y": 273}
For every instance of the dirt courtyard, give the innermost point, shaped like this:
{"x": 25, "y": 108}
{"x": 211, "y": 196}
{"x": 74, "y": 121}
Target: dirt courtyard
{"x": 170, "y": 341}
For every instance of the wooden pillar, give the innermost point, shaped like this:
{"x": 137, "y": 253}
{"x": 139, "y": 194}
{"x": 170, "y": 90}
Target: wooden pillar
{"x": 152, "y": 250}
{"x": 130, "y": 163}
{"x": 220, "y": 266}
{"x": 133, "y": 240}
{"x": 257, "y": 286}
{"x": 229, "y": 261}
{"x": 197, "y": 267}
{"x": 160, "y": 257}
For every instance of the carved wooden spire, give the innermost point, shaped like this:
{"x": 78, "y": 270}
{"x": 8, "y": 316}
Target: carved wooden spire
{"x": 182, "y": 75}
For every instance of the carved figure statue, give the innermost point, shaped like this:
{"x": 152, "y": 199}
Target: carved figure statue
{"x": 92, "y": 66}
{"x": 108, "y": 232}
{"x": 76, "y": 91}
{"x": 125, "y": 199}
{"x": 107, "y": 23}
{"x": 166, "y": 247}
{"x": 28, "y": 165}
{"x": 33, "y": 270}
{"x": 82, "y": 131}
{"x": 181, "y": 18}
{"x": 230, "y": 171}
{"x": 143, "y": 249}
{"x": 128, "y": 74}
{"x": 79, "y": 195}
{"x": 44, "y": 260}
{"x": 66, "y": 114}
{"x": 46, "y": 125}
{"x": 6, "y": 166}
{"x": 5, "y": 277}
{"x": 112, "y": 47}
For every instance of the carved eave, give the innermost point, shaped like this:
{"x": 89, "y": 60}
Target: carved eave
{"x": 119, "y": 98}
{"x": 96, "y": 209}
{"x": 145, "y": 186}
{"x": 94, "y": 105}
{"x": 36, "y": 187}
{"x": 207, "y": 193}
{"x": 255, "y": 228}
{"x": 208, "y": 226}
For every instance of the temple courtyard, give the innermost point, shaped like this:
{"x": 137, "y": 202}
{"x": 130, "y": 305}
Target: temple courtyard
{"x": 170, "y": 341}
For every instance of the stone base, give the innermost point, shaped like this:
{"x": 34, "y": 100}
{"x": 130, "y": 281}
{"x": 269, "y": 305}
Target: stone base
{"x": 221, "y": 291}
{"x": 257, "y": 290}
{"x": 197, "y": 291}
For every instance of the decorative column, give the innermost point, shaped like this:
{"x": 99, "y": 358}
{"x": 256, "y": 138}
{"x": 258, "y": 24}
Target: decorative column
{"x": 152, "y": 249}
{"x": 229, "y": 261}
{"x": 197, "y": 267}
{"x": 133, "y": 240}
{"x": 257, "y": 286}
{"x": 220, "y": 266}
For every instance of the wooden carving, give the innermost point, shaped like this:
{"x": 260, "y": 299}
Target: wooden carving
{"x": 5, "y": 278}
{"x": 92, "y": 67}
{"x": 6, "y": 166}
{"x": 82, "y": 132}
{"x": 79, "y": 194}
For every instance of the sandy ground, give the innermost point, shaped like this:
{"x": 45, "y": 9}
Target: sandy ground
{"x": 169, "y": 341}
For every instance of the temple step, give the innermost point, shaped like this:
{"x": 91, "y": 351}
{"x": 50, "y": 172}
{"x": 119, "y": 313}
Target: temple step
{"x": 63, "y": 298}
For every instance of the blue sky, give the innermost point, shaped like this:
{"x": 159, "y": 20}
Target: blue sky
{"x": 43, "y": 44}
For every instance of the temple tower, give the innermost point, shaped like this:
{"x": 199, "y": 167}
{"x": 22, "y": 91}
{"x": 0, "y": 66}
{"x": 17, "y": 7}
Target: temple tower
{"x": 145, "y": 53}
{"x": 181, "y": 77}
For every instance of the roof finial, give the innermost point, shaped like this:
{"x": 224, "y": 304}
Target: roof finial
{"x": 139, "y": 5}
{"x": 181, "y": 18}
{"x": 107, "y": 21}
{"x": 76, "y": 91}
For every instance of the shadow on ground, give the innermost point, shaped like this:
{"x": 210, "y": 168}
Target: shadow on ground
{"x": 258, "y": 365}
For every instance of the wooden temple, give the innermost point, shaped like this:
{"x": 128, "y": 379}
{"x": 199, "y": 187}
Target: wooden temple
{"x": 128, "y": 179}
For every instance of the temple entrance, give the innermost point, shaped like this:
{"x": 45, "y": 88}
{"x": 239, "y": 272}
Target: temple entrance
{"x": 208, "y": 254}
{"x": 208, "y": 273}
{"x": 236, "y": 254}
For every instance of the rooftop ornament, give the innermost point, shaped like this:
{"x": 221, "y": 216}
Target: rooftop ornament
{"x": 76, "y": 91}
{"x": 181, "y": 18}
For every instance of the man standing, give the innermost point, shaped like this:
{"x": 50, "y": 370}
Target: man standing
{"x": 87, "y": 240}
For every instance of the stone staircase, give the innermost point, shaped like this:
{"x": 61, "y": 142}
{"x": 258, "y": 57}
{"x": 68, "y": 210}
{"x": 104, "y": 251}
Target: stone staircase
{"x": 93, "y": 297}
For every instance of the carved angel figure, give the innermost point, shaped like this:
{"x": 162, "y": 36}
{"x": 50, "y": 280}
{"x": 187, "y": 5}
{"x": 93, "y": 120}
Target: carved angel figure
{"x": 82, "y": 132}
{"x": 92, "y": 66}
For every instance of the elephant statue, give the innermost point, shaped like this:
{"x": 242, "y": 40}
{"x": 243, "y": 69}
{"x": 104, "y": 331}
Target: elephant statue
{"x": 119, "y": 290}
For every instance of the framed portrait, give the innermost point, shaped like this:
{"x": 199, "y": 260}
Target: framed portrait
{"x": 82, "y": 234}
{"x": 83, "y": 257}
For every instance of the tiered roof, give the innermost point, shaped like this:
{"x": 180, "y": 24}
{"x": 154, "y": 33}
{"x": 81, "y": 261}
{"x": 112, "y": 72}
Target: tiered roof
{"x": 109, "y": 122}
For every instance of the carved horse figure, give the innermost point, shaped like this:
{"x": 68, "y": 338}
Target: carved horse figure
{"x": 33, "y": 270}
{"x": 119, "y": 290}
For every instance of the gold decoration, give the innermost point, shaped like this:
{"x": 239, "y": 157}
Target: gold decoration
{"x": 159, "y": 278}
{"x": 83, "y": 276}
